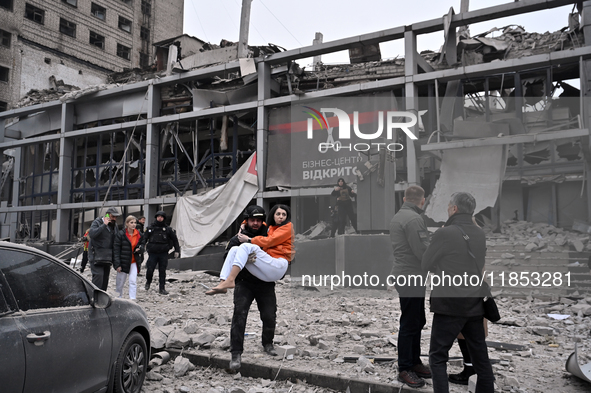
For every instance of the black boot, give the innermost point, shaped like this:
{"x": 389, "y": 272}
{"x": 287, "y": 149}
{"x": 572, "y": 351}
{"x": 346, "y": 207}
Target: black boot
{"x": 235, "y": 362}
{"x": 463, "y": 377}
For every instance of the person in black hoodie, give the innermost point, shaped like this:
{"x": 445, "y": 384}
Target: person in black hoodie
{"x": 128, "y": 254}
{"x": 159, "y": 239}
{"x": 344, "y": 205}
{"x": 458, "y": 249}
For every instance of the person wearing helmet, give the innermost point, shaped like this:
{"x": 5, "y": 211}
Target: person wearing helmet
{"x": 159, "y": 239}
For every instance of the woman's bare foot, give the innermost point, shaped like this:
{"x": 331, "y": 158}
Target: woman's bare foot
{"x": 215, "y": 291}
{"x": 222, "y": 287}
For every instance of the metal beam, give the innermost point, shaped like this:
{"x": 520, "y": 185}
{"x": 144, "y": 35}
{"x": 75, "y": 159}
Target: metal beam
{"x": 507, "y": 140}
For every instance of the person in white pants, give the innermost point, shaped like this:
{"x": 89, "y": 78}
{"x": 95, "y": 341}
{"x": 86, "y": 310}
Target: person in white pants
{"x": 127, "y": 257}
{"x": 273, "y": 253}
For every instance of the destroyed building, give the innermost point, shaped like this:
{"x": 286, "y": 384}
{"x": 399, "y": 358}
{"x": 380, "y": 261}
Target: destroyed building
{"x": 69, "y": 45}
{"x": 519, "y": 97}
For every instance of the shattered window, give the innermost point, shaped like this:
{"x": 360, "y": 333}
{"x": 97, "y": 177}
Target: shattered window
{"x": 39, "y": 174}
{"x": 4, "y": 73}
{"x": 98, "y": 12}
{"x": 125, "y": 24}
{"x": 97, "y": 40}
{"x": 5, "y": 38}
{"x": 123, "y": 51}
{"x": 112, "y": 162}
{"x": 35, "y": 14}
{"x": 67, "y": 27}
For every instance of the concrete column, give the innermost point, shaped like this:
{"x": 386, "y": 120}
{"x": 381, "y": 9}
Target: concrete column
{"x": 62, "y": 234}
{"x": 585, "y": 79}
{"x": 411, "y": 94}
{"x": 18, "y": 155}
{"x": 317, "y": 59}
{"x": 264, "y": 92}
{"x": 152, "y": 153}
{"x": 244, "y": 27}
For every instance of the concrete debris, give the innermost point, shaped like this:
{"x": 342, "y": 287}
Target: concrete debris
{"x": 312, "y": 323}
{"x": 182, "y": 366}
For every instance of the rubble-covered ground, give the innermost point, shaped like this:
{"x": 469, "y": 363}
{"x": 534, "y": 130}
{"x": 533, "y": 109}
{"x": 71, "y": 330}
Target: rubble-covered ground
{"x": 326, "y": 326}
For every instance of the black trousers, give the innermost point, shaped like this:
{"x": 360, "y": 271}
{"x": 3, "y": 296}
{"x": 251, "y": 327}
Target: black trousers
{"x": 100, "y": 275}
{"x": 412, "y": 320}
{"x": 346, "y": 209}
{"x": 244, "y": 293}
{"x": 160, "y": 259}
{"x": 443, "y": 333}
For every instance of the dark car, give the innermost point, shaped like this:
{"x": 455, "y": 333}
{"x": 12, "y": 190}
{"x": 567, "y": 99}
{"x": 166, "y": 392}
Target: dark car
{"x": 59, "y": 333}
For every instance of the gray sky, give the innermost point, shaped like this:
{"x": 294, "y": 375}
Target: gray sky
{"x": 294, "y": 24}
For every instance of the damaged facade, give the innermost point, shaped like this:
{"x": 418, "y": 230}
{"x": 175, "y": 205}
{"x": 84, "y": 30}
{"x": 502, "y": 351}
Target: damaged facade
{"x": 63, "y": 46}
{"x": 142, "y": 145}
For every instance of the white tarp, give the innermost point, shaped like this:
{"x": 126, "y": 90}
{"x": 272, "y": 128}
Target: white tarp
{"x": 477, "y": 170}
{"x": 199, "y": 219}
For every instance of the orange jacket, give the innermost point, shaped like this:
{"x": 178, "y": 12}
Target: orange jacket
{"x": 278, "y": 243}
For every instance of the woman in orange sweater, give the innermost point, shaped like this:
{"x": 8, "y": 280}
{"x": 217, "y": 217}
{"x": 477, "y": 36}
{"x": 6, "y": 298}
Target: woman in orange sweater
{"x": 128, "y": 256}
{"x": 273, "y": 252}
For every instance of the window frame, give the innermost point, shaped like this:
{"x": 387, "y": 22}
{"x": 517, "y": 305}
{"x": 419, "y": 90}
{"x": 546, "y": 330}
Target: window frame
{"x": 122, "y": 22}
{"x": 5, "y": 35}
{"x": 95, "y": 9}
{"x": 122, "y": 49}
{"x": 144, "y": 33}
{"x": 71, "y": 3}
{"x": 65, "y": 26}
{"x": 146, "y": 7}
{"x": 97, "y": 35}
{"x": 36, "y": 13}
{"x": 5, "y": 71}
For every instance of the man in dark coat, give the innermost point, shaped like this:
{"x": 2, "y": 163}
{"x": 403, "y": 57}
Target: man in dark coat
{"x": 409, "y": 237}
{"x": 458, "y": 250}
{"x": 249, "y": 288}
{"x": 101, "y": 234}
{"x": 159, "y": 239}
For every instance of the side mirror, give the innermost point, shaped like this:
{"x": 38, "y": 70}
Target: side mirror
{"x": 101, "y": 299}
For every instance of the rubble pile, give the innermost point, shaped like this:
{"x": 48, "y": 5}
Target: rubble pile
{"x": 35, "y": 96}
{"x": 539, "y": 237}
{"x": 340, "y": 331}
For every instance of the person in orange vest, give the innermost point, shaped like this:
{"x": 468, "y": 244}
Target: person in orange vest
{"x": 84, "y": 252}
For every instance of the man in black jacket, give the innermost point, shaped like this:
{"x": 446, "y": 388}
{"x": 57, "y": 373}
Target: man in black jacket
{"x": 249, "y": 288}
{"x": 101, "y": 235}
{"x": 456, "y": 253}
{"x": 159, "y": 239}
